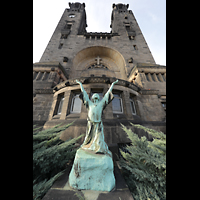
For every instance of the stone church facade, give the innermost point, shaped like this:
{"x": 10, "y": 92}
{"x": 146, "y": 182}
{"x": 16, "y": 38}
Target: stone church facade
{"x": 97, "y": 59}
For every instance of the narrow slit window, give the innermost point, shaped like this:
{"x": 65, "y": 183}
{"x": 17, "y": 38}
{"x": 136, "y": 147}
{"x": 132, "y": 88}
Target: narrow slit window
{"x": 135, "y": 47}
{"x": 60, "y": 46}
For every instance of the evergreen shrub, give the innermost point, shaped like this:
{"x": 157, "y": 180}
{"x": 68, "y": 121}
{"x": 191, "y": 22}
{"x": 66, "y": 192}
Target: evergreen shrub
{"x": 51, "y": 156}
{"x": 144, "y": 164}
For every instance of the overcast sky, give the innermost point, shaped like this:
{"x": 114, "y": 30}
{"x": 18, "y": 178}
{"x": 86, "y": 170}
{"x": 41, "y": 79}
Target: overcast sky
{"x": 150, "y": 15}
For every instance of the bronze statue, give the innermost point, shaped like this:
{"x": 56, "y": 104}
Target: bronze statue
{"x": 94, "y": 139}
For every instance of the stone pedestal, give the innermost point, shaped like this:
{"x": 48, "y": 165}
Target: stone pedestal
{"x": 92, "y": 171}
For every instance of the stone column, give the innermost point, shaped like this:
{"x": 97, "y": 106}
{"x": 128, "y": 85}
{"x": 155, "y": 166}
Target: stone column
{"x": 127, "y": 106}
{"x": 155, "y": 77}
{"x": 160, "y": 77}
{"x": 38, "y": 76}
{"x": 53, "y": 105}
{"x": 149, "y": 76}
{"x": 34, "y": 74}
{"x": 165, "y": 76}
{"x": 44, "y": 75}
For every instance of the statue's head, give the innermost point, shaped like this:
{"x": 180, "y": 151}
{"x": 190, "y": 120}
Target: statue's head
{"x": 95, "y": 98}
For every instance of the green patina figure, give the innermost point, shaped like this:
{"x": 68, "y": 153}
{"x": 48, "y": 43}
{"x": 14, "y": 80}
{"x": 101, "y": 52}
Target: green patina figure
{"x": 93, "y": 165}
{"x": 94, "y": 139}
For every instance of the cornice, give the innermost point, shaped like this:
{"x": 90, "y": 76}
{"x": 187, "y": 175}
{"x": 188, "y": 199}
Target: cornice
{"x": 87, "y": 80}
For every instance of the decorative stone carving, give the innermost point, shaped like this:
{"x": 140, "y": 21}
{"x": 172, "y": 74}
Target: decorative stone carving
{"x": 95, "y": 66}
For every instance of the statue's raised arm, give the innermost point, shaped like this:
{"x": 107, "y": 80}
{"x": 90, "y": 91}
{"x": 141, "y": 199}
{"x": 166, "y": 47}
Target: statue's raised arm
{"x": 108, "y": 97}
{"x": 111, "y": 87}
{"x": 84, "y": 96}
{"x": 82, "y": 89}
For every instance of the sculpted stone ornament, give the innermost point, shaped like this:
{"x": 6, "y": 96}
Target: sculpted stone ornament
{"x": 93, "y": 165}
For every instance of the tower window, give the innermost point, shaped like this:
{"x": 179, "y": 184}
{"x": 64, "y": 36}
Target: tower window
{"x": 117, "y": 103}
{"x": 60, "y": 46}
{"x": 163, "y": 104}
{"x": 63, "y": 36}
{"x": 135, "y": 47}
{"x": 131, "y": 37}
{"x": 68, "y": 26}
{"x": 71, "y": 15}
{"x": 128, "y": 27}
{"x": 76, "y": 104}
{"x": 65, "y": 59}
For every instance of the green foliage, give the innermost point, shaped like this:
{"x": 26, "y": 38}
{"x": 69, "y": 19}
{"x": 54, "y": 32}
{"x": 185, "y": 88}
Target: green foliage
{"x": 144, "y": 164}
{"x": 51, "y": 155}
{"x": 79, "y": 196}
{"x": 40, "y": 189}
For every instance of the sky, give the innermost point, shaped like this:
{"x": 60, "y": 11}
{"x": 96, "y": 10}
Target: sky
{"x": 150, "y": 15}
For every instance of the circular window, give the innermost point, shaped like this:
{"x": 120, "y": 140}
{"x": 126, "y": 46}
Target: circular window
{"x": 71, "y": 15}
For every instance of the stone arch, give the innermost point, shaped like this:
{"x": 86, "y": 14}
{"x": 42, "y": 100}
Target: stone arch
{"x": 111, "y": 58}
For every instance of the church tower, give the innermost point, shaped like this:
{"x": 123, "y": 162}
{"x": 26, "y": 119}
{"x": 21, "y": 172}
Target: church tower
{"x": 124, "y": 23}
{"x": 71, "y": 24}
{"x": 97, "y": 59}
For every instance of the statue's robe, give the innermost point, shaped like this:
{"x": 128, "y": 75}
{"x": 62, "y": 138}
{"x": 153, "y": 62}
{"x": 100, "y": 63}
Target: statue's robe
{"x": 94, "y": 139}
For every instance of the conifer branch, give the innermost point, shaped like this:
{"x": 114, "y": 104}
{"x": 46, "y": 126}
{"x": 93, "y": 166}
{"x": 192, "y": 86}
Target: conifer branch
{"x": 50, "y": 157}
{"x": 144, "y": 164}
